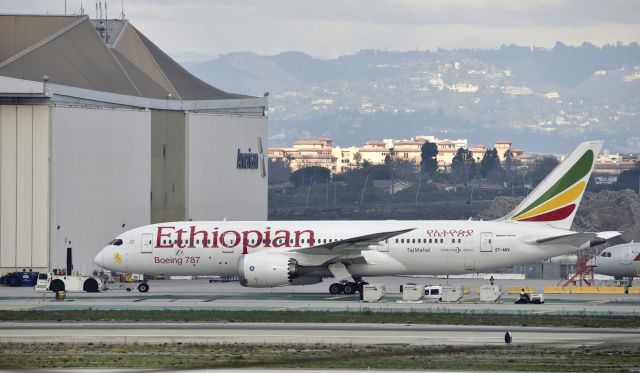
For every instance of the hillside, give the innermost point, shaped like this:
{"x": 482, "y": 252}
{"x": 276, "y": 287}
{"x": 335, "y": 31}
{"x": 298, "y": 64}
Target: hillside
{"x": 545, "y": 100}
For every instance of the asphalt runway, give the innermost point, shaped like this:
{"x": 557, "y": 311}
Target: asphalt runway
{"x": 307, "y": 333}
{"x": 202, "y": 295}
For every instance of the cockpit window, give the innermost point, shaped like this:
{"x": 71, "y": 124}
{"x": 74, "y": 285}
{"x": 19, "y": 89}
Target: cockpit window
{"x": 606, "y": 255}
{"x": 117, "y": 242}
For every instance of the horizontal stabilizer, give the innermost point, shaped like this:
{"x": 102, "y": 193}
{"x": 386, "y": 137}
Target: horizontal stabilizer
{"x": 608, "y": 234}
{"x": 576, "y": 239}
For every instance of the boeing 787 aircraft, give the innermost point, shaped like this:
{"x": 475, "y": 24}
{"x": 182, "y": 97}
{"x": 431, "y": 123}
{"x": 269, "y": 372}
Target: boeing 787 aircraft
{"x": 278, "y": 253}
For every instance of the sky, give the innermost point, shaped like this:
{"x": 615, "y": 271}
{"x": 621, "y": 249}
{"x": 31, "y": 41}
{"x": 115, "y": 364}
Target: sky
{"x": 195, "y": 30}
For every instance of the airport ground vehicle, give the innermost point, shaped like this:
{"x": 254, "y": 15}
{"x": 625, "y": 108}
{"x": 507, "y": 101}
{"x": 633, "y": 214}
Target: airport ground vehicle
{"x": 280, "y": 253}
{"x": 20, "y": 278}
{"x": 530, "y": 299}
{"x": 48, "y": 281}
{"x": 433, "y": 292}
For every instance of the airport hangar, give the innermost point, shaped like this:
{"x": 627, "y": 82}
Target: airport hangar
{"x": 101, "y": 132}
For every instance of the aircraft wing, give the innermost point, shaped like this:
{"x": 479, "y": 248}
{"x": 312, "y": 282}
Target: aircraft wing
{"x": 350, "y": 245}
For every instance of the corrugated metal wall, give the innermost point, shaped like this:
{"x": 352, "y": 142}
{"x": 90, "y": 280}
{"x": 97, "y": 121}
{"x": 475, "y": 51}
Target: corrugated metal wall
{"x": 101, "y": 161}
{"x": 24, "y": 186}
{"x": 216, "y": 188}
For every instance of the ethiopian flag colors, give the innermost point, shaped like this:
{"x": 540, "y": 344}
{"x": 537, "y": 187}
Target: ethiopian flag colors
{"x": 560, "y": 200}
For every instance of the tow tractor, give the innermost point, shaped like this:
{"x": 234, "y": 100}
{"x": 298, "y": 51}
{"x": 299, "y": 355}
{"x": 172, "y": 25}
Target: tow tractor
{"x": 50, "y": 281}
{"x": 63, "y": 280}
{"x": 530, "y": 299}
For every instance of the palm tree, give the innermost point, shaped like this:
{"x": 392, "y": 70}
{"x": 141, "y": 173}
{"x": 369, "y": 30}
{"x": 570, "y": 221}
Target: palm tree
{"x": 357, "y": 157}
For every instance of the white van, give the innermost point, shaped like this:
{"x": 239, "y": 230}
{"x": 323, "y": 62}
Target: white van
{"x": 433, "y": 292}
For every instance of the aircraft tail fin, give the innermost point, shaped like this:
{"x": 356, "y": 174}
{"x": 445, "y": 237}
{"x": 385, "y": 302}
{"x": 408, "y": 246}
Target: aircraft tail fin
{"x": 555, "y": 200}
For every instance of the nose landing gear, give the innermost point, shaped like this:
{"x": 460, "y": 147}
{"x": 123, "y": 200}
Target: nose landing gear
{"x": 143, "y": 287}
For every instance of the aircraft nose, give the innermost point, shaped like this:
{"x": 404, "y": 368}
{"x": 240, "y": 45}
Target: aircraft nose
{"x": 99, "y": 260}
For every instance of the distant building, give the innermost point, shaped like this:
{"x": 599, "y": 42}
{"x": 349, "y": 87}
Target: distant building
{"x": 388, "y": 187}
{"x": 340, "y": 159}
{"x": 610, "y": 165}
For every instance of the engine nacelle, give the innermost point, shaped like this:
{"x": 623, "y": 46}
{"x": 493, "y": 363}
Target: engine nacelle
{"x": 266, "y": 270}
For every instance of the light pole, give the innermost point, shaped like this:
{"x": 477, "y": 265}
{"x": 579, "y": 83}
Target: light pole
{"x": 363, "y": 189}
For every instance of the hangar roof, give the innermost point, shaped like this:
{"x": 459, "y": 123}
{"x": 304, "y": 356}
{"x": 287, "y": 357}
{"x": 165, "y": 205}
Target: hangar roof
{"x": 71, "y": 51}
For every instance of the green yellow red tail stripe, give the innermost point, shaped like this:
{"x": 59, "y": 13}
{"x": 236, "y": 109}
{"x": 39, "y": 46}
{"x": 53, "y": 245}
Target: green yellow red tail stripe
{"x": 560, "y": 200}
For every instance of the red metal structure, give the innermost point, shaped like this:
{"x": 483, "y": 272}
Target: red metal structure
{"x": 583, "y": 275}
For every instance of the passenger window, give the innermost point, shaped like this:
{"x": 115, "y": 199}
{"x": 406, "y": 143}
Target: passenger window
{"x": 117, "y": 242}
{"x": 453, "y": 240}
{"x": 414, "y": 240}
{"x": 459, "y": 240}
{"x": 442, "y": 240}
{"x": 402, "y": 240}
{"x": 396, "y": 240}
{"x": 430, "y": 240}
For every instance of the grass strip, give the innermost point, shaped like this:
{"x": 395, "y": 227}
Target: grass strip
{"x": 436, "y": 318}
{"x": 194, "y": 356}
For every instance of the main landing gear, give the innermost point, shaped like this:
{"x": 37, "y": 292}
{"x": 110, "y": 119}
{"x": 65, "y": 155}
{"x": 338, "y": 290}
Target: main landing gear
{"x": 346, "y": 288}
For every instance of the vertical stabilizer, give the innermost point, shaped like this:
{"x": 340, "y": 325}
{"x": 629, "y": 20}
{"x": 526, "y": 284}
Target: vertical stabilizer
{"x": 555, "y": 200}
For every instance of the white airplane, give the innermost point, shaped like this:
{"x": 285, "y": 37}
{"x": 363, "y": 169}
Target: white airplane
{"x": 618, "y": 261}
{"x": 278, "y": 253}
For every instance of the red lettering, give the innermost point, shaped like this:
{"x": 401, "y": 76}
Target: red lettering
{"x": 192, "y": 235}
{"x": 282, "y": 239}
{"x": 180, "y": 243}
{"x": 159, "y": 236}
{"x": 233, "y": 243}
{"x": 298, "y": 235}
{"x": 246, "y": 241}
{"x": 249, "y": 239}
{"x": 214, "y": 244}
{"x": 267, "y": 237}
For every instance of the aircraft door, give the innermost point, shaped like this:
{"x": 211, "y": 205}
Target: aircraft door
{"x": 384, "y": 246}
{"x": 146, "y": 243}
{"x": 626, "y": 255}
{"x": 228, "y": 243}
{"x": 486, "y": 242}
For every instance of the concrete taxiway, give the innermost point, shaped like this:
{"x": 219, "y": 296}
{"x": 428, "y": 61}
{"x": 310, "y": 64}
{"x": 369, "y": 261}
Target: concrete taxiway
{"x": 306, "y": 333}
{"x": 202, "y": 295}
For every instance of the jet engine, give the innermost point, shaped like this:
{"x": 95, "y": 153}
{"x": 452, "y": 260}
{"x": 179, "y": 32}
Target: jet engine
{"x": 265, "y": 270}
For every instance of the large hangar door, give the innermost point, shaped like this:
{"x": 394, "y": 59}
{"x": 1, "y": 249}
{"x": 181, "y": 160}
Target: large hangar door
{"x": 147, "y": 243}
